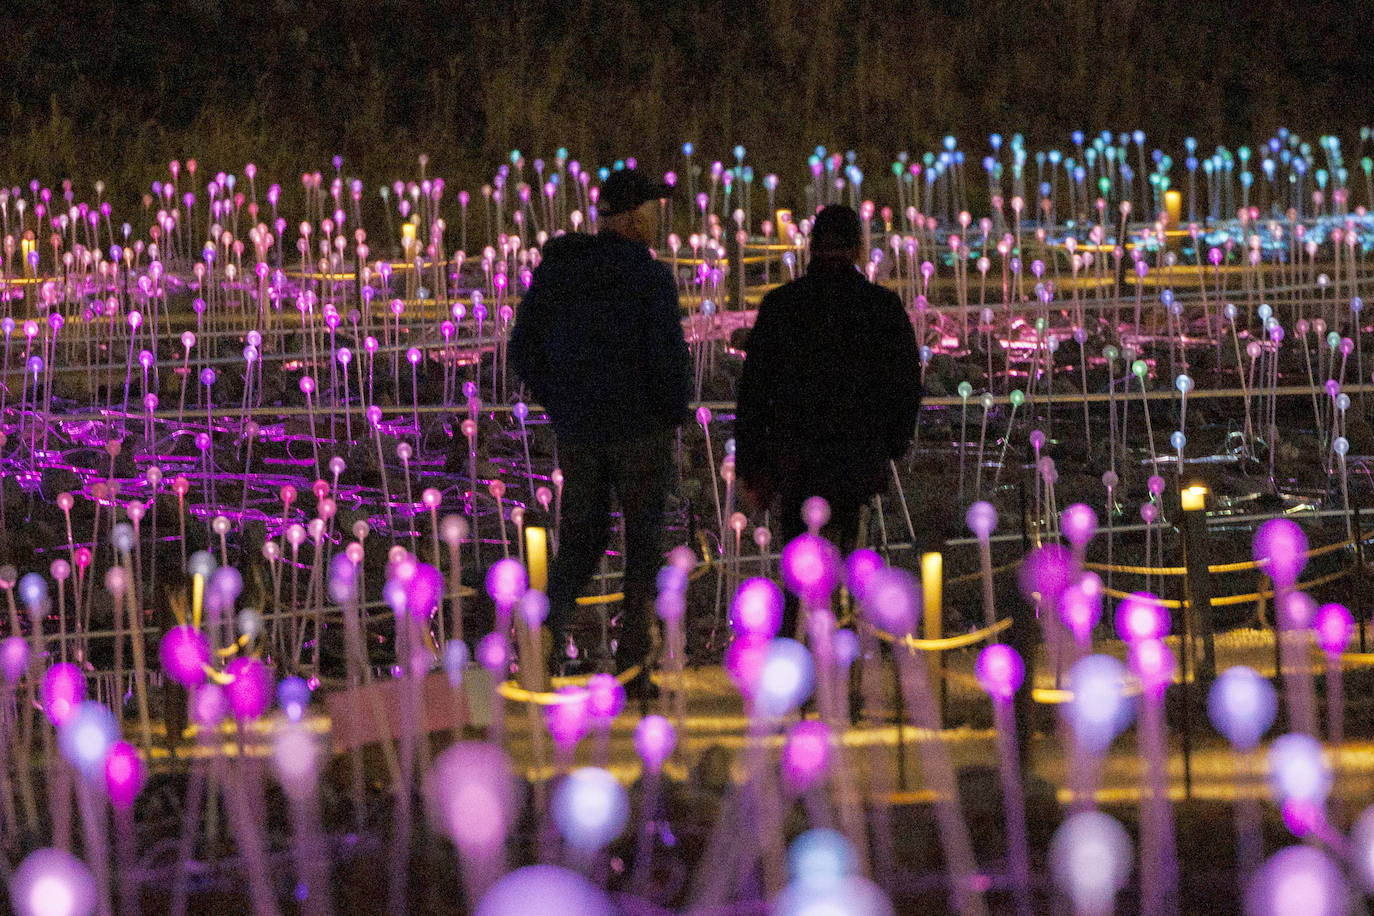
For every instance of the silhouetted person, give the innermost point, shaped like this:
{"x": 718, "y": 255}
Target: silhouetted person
{"x": 830, "y": 389}
{"x": 598, "y": 341}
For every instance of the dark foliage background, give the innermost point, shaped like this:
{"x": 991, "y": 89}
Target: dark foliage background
{"x": 114, "y": 89}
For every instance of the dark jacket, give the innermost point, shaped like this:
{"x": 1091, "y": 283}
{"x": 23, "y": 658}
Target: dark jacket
{"x": 598, "y": 340}
{"x": 830, "y": 389}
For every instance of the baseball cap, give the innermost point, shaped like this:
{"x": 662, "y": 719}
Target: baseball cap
{"x": 627, "y": 189}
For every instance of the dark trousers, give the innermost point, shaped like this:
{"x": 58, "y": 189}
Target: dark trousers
{"x": 638, "y": 472}
{"x": 842, "y": 530}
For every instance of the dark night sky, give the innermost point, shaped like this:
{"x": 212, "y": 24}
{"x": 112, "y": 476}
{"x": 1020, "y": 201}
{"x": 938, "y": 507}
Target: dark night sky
{"x": 113, "y": 88}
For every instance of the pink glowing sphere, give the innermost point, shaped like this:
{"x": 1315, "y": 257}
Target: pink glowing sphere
{"x": 1334, "y": 627}
{"x": 492, "y": 652}
{"x": 185, "y": 654}
{"x": 859, "y": 569}
{"x": 419, "y": 588}
{"x": 810, "y": 568}
{"x": 1081, "y": 606}
{"x": 1296, "y": 610}
{"x": 1000, "y": 671}
{"x": 64, "y": 687}
{"x": 1140, "y": 616}
{"x": 1153, "y": 663}
{"x": 123, "y": 775}
{"x": 533, "y": 607}
{"x": 1079, "y": 524}
{"x": 893, "y": 601}
{"x": 806, "y": 754}
{"x": 1281, "y": 545}
{"x": 1298, "y": 881}
{"x": 743, "y": 662}
{"x": 52, "y": 882}
{"x": 605, "y": 698}
{"x": 472, "y": 789}
{"x": 14, "y": 659}
{"x": 1045, "y": 573}
{"x": 756, "y": 610}
{"x": 567, "y": 716}
{"x": 545, "y": 889}
{"x": 209, "y": 705}
{"x": 506, "y": 582}
{"x": 815, "y": 513}
{"x": 981, "y": 519}
{"x": 250, "y": 691}
{"x": 654, "y": 740}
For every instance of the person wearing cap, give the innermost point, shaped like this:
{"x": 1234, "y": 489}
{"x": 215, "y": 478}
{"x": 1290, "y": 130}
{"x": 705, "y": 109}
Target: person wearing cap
{"x": 830, "y": 389}
{"x": 598, "y": 342}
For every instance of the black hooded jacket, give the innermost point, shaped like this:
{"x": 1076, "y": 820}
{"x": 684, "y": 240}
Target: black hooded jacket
{"x": 598, "y": 340}
{"x": 831, "y": 386}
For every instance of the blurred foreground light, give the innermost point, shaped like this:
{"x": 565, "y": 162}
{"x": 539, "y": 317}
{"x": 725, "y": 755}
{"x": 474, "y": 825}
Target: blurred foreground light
{"x": 590, "y": 808}
{"x": 1090, "y": 859}
{"x": 547, "y": 890}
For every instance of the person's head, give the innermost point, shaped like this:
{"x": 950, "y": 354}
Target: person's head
{"x": 628, "y": 205}
{"x": 836, "y": 235}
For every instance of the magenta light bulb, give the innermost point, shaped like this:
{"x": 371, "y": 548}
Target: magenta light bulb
{"x": 1296, "y": 610}
{"x": 123, "y": 775}
{"x": 744, "y": 661}
{"x": 424, "y": 589}
{"x": 1079, "y": 524}
{"x": 654, "y": 741}
{"x": 1000, "y": 671}
{"x": 1334, "y": 626}
{"x": 1045, "y": 573}
{"x": 806, "y": 754}
{"x": 859, "y": 568}
{"x": 492, "y": 653}
{"x": 1140, "y": 616}
{"x": 810, "y": 568}
{"x": 250, "y": 691}
{"x": 756, "y": 610}
{"x": 1081, "y": 606}
{"x": 566, "y": 717}
{"x": 506, "y": 582}
{"x": 185, "y": 653}
{"x": 893, "y": 601}
{"x": 64, "y": 686}
{"x": 605, "y": 697}
{"x": 1282, "y": 546}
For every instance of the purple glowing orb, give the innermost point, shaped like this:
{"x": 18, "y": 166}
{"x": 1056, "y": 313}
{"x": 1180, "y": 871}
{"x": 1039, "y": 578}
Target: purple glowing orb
{"x": 756, "y": 610}
{"x": 1282, "y": 546}
{"x": 185, "y": 654}
{"x": 250, "y": 691}
{"x": 810, "y": 568}
{"x": 654, "y": 740}
{"x": 1000, "y": 671}
{"x": 1241, "y": 705}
